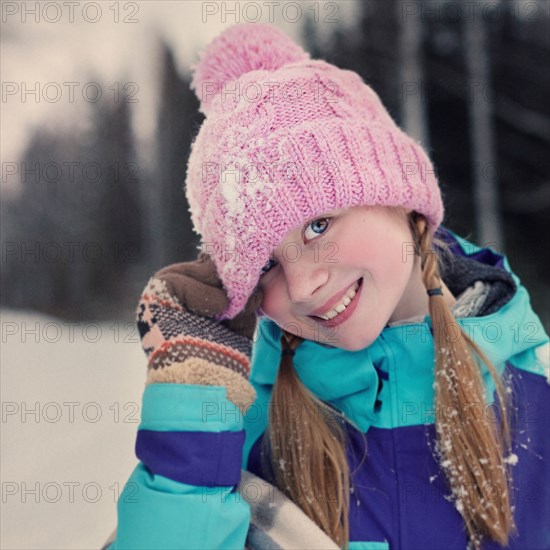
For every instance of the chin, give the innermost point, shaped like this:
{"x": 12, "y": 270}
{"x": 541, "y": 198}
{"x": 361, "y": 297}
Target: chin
{"x": 358, "y": 341}
{"x": 355, "y": 346}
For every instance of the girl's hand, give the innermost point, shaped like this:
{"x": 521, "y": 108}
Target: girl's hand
{"x": 181, "y": 337}
{"x": 198, "y": 288}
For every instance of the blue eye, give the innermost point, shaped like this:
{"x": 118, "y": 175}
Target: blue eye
{"x": 320, "y": 228}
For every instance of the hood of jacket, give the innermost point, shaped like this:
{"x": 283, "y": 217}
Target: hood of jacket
{"x": 390, "y": 383}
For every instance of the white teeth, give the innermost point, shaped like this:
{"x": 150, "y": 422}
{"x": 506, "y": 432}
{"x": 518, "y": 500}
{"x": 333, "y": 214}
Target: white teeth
{"x": 341, "y": 307}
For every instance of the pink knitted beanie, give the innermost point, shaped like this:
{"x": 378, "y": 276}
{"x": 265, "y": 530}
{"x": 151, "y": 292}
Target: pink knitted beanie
{"x": 287, "y": 138}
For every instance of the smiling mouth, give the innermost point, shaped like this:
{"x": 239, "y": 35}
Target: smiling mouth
{"x": 340, "y": 308}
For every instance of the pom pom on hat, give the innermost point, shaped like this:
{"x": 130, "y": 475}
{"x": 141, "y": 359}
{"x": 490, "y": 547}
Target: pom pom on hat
{"x": 238, "y": 50}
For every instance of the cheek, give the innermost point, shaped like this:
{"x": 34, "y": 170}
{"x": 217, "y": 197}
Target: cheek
{"x": 394, "y": 267}
{"x": 274, "y": 303}
{"x": 384, "y": 256}
{"x": 345, "y": 253}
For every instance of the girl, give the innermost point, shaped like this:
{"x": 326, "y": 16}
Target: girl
{"x": 392, "y": 393}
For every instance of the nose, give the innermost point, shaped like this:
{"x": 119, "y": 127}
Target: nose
{"x": 304, "y": 279}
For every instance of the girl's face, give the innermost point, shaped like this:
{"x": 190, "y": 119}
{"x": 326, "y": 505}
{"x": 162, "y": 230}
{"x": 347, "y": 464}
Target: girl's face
{"x": 313, "y": 270}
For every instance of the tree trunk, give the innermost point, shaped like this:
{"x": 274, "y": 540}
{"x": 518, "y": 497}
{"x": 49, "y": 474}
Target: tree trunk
{"x": 412, "y": 71}
{"x": 482, "y": 142}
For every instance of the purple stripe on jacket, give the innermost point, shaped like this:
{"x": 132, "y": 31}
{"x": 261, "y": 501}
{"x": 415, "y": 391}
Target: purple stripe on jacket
{"x": 197, "y": 458}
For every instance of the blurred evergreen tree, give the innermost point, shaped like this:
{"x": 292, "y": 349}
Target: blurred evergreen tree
{"x": 170, "y": 234}
{"x": 75, "y": 226}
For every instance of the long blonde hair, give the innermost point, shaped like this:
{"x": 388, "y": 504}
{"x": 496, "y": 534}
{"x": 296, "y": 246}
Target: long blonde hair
{"x": 308, "y": 449}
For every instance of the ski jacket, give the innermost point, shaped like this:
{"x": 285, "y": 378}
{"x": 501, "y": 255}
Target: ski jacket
{"x": 399, "y": 496}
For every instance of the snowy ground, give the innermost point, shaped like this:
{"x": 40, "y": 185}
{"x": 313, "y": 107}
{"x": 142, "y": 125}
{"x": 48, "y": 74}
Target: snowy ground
{"x": 70, "y": 409}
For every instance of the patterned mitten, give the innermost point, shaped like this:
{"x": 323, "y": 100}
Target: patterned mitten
{"x": 181, "y": 337}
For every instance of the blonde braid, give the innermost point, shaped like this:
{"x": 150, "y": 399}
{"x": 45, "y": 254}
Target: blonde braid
{"x": 472, "y": 453}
